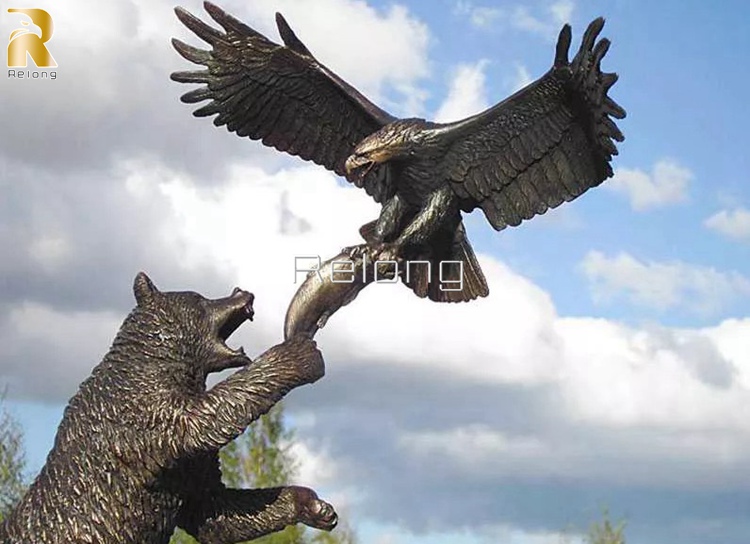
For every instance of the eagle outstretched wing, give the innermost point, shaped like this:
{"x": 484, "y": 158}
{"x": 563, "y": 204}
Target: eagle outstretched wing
{"x": 279, "y": 94}
{"x": 548, "y": 143}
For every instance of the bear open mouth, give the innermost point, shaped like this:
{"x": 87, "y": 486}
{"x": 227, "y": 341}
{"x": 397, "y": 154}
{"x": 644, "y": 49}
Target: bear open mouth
{"x": 237, "y": 309}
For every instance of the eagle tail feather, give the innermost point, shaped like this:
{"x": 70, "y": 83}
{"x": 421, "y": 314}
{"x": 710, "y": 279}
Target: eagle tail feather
{"x": 453, "y": 275}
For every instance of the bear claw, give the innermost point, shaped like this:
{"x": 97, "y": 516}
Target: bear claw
{"x": 322, "y": 516}
{"x": 313, "y": 511}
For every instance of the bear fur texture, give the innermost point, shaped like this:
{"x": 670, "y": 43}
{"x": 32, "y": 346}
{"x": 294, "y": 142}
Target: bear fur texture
{"x": 136, "y": 454}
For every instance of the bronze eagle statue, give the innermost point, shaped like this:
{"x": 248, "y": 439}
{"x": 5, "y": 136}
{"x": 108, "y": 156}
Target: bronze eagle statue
{"x": 546, "y": 144}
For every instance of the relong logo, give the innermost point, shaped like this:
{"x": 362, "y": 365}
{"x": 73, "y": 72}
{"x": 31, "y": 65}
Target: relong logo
{"x": 24, "y": 42}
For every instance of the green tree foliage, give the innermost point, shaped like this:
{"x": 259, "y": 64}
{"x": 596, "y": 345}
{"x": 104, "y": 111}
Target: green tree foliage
{"x": 261, "y": 458}
{"x": 603, "y": 531}
{"x": 606, "y": 532}
{"x": 12, "y": 462}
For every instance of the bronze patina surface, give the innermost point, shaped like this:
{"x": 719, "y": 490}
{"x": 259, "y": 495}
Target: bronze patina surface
{"x": 136, "y": 454}
{"x": 546, "y": 144}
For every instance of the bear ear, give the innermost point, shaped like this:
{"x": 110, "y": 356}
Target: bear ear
{"x": 143, "y": 288}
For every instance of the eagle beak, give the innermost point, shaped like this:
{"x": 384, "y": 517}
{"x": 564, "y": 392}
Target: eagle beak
{"x": 368, "y": 158}
{"x": 354, "y": 162}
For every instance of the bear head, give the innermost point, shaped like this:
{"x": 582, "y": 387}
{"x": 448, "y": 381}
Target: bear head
{"x": 186, "y": 327}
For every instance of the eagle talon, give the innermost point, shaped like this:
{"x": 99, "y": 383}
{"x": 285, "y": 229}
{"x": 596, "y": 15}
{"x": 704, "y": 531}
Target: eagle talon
{"x": 355, "y": 252}
{"x": 386, "y": 254}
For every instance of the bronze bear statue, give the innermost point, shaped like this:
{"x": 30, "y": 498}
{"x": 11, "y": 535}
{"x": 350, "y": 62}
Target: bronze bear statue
{"x": 136, "y": 454}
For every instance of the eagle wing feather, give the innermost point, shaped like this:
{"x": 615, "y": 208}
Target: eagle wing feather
{"x": 546, "y": 144}
{"x": 279, "y": 94}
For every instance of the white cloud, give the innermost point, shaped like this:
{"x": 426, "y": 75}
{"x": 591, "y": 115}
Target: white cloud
{"x": 483, "y": 16}
{"x": 388, "y": 538}
{"x": 639, "y": 389}
{"x": 666, "y": 184}
{"x": 579, "y": 401}
{"x": 467, "y": 94}
{"x": 393, "y": 58}
{"x": 733, "y": 223}
{"x": 521, "y": 78}
{"x": 537, "y": 347}
{"x": 49, "y": 250}
{"x": 647, "y": 407}
{"x": 113, "y": 86}
{"x": 562, "y": 11}
{"x": 314, "y": 467}
{"x": 491, "y": 534}
{"x": 547, "y": 25}
{"x": 246, "y": 205}
{"x": 662, "y": 286}
{"x": 606, "y": 371}
{"x": 545, "y": 22}
{"x": 480, "y": 16}
{"x": 317, "y": 469}
{"x": 32, "y": 332}
{"x": 654, "y": 378}
{"x": 522, "y": 19}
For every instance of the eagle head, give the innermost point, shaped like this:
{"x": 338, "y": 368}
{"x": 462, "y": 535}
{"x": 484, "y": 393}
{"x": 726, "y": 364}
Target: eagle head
{"x": 397, "y": 140}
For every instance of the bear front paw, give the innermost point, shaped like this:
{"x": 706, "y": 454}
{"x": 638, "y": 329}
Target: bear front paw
{"x": 304, "y": 356}
{"x": 313, "y": 511}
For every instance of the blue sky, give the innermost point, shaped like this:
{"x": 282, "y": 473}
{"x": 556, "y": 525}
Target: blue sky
{"x": 610, "y": 365}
